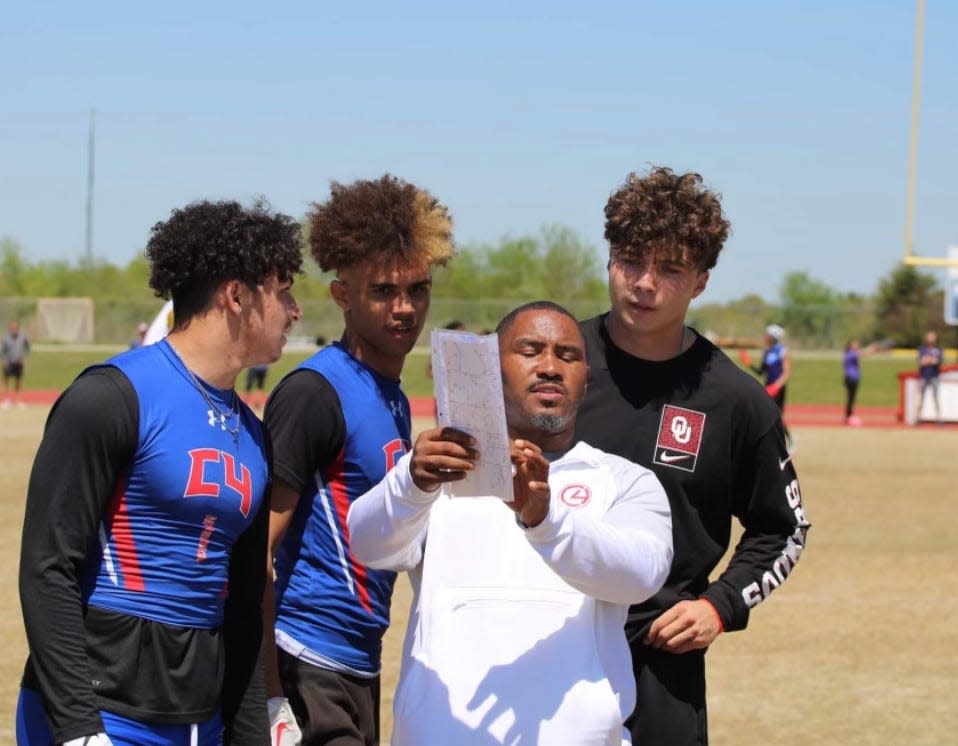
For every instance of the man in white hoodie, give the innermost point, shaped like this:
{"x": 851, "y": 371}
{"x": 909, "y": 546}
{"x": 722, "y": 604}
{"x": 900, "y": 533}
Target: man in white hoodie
{"x": 516, "y": 631}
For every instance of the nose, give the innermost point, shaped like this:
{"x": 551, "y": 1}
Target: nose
{"x": 548, "y": 367}
{"x": 646, "y": 278}
{"x": 295, "y": 312}
{"x": 403, "y": 305}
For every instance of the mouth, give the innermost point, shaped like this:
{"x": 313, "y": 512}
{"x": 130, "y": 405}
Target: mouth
{"x": 403, "y": 331}
{"x": 549, "y": 392}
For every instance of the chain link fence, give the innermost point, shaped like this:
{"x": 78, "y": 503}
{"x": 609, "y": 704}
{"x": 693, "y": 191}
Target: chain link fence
{"x": 812, "y": 327}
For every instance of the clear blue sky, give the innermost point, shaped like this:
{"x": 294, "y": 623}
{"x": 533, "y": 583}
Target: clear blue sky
{"x": 515, "y": 114}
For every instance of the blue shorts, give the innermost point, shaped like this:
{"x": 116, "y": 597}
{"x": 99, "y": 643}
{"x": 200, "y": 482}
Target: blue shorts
{"x": 32, "y": 728}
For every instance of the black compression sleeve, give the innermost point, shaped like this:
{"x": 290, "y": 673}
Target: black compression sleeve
{"x": 244, "y": 685}
{"x": 90, "y": 438}
{"x": 305, "y": 420}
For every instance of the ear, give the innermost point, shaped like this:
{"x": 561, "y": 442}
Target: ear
{"x": 233, "y": 295}
{"x": 700, "y": 284}
{"x": 337, "y": 289}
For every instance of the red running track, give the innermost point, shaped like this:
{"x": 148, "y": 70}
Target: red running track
{"x": 795, "y": 414}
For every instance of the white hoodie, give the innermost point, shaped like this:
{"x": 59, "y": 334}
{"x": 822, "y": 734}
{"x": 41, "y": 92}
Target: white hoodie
{"x": 516, "y": 635}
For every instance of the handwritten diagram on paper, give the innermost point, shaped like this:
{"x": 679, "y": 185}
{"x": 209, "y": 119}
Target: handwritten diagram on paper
{"x": 465, "y": 369}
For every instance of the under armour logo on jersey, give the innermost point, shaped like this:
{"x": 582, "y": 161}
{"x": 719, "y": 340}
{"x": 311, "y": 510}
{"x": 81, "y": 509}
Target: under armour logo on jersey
{"x": 396, "y": 408}
{"x": 216, "y": 417}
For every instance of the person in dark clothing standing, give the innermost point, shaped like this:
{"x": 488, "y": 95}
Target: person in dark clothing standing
{"x": 14, "y": 348}
{"x": 666, "y": 398}
{"x": 930, "y": 358}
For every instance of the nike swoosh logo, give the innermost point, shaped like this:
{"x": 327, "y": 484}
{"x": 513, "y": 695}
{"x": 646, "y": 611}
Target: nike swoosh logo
{"x": 783, "y": 461}
{"x": 671, "y": 458}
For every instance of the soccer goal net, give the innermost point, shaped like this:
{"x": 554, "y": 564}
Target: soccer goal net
{"x": 67, "y": 320}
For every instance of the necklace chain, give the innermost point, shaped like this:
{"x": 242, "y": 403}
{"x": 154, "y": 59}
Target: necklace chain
{"x": 216, "y": 414}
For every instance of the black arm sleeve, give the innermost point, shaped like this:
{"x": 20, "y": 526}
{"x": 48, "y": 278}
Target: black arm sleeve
{"x": 244, "y": 685}
{"x": 90, "y": 438}
{"x": 305, "y": 420}
{"x": 768, "y": 504}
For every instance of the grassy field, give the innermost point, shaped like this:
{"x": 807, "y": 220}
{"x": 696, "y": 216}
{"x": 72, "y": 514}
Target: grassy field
{"x": 857, "y": 647}
{"x": 816, "y": 377}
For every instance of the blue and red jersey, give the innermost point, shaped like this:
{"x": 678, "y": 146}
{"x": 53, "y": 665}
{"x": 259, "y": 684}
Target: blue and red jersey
{"x": 193, "y": 487}
{"x": 328, "y": 603}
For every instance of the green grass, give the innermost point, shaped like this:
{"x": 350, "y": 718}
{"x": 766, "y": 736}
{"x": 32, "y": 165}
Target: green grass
{"x": 816, "y": 378}
{"x": 48, "y": 367}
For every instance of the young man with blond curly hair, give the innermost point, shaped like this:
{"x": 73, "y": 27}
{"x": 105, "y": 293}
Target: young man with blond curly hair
{"x": 339, "y": 422}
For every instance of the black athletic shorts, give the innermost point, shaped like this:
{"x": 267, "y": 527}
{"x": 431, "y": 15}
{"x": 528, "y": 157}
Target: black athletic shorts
{"x": 13, "y": 370}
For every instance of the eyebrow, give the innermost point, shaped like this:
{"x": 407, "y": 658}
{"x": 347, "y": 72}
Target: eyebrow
{"x": 540, "y": 344}
{"x": 416, "y": 284}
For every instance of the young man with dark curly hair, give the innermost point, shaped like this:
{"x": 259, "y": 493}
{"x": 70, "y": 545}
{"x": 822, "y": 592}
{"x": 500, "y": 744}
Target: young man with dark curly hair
{"x": 141, "y": 568}
{"x": 339, "y": 423}
{"x": 666, "y": 398}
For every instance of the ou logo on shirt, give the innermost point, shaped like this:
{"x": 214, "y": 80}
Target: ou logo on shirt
{"x": 681, "y": 430}
{"x": 575, "y": 495}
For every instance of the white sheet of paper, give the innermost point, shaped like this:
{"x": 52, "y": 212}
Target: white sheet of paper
{"x": 468, "y": 388}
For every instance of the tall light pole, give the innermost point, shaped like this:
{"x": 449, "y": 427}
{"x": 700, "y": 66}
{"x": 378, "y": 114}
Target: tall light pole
{"x": 89, "y": 188}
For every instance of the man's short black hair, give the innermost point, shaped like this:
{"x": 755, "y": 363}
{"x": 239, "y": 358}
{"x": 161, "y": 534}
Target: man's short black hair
{"x": 536, "y": 305}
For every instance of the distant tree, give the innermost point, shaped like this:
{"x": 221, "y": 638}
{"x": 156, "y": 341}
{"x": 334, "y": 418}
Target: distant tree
{"x": 460, "y": 278}
{"x": 13, "y": 267}
{"x": 512, "y": 270}
{"x": 738, "y": 321}
{"x": 809, "y": 308}
{"x": 909, "y": 303}
{"x": 556, "y": 265}
{"x": 570, "y": 270}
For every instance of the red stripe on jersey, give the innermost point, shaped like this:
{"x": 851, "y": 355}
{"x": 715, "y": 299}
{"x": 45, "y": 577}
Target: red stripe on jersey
{"x": 121, "y": 533}
{"x": 337, "y": 488}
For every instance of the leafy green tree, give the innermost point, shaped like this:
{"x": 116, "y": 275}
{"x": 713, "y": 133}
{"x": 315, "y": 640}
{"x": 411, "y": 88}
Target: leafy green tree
{"x": 460, "y": 278}
{"x": 909, "y": 303}
{"x": 570, "y": 270}
{"x": 13, "y": 267}
{"x": 512, "y": 269}
{"x": 738, "y": 321}
{"x": 809, "y": 307}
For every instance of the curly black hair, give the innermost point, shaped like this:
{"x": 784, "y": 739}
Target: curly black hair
{"x": 671, "y": 215}
{"x": 206, "y": 243}
{"x": 384, "y": 218}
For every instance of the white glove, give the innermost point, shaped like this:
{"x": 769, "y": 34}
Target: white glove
{"x": 99, "y": 739}
{"x": 283, "y": 728}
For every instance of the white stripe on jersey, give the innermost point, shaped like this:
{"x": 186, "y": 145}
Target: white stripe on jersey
{"x": 107, "y": 555}
{"x": 323, "y": 495}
